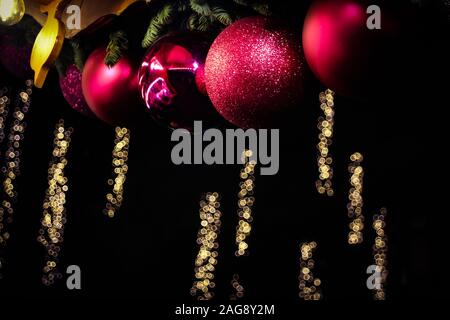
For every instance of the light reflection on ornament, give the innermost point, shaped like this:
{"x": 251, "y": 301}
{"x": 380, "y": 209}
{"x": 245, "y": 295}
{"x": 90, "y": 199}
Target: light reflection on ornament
{"x": 11, "y": 11}
{"x": 169, "y": 83}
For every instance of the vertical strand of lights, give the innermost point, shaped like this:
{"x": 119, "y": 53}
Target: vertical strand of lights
{"x": 4, "y": 110}
{"x": 11, "y": 167}
{"x": 355, "y": 205}
{"x": 207, "y": 240}
{"x": 245, "y": 203}
{"x": 120, "y": 157}
{"x": 237, "y": 287}
{"x": 309, "y": 285}
{"x": 54, "y": 214}
{"x": 324, "y": 159}
{"x": 380, "y": 249}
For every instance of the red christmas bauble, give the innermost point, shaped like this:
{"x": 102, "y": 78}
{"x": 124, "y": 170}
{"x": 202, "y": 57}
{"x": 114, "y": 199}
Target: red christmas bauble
{"x": 171, "y": 81}
{"x": 111, "y": 92}
{"x": 344, "y": 48}
{"x": 254, "y": 72}
{"x": 15, "y": 54}
{"x": 72, "y": 90}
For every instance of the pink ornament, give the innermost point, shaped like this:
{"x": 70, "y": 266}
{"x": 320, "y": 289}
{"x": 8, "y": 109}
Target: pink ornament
{"x": 254, "y": 72}
{"x": 72, "y": 90}
{"x": 344, "y": 53}
{"x": 15, "y": 54}
{"x": 111, "y": 93}
{"x": 171, "y": 81}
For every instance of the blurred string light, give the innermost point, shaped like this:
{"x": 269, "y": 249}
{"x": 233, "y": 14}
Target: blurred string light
{"x": 207, "y": 240}
{"x": 54, "y": 215}
{"x": 355, "y": 206}
{"x": 326, "y": 128}
{"x": 380, "y": 249}
{"x": 309, "y": 285}
{"x": 245, "y": 203}
{"x": 4, "y": 110}
{"x": 237, "y": 287}
{"x": 11, "y": 168}
{"x": 120, "y": 157}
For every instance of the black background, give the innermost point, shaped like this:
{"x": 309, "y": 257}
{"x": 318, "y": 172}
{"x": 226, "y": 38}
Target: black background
{"x": 148, "y": 250}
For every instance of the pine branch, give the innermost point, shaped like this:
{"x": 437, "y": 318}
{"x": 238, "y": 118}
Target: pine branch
{"x": 60, "y": 67}
{"x": 262, "y": 8}
{"x": 163, "y": 18}
{"x": 79, "y": 55}
{"x": 117, "y": 44}
{"x": 241, "y": 2}
{"x": 222, "y": 16}
{"x": 192, "y": 22}
{"x": 201, "y": 7}
{"x": 204, "y": 23}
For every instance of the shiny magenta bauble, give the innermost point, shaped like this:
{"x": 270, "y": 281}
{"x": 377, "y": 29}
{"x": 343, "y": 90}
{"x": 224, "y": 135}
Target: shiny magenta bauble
{"x": 344, "y": 47}
{"x": 254, "y": 72}
{"x": 111, "y": 92}
{"x": 171, "y": 82}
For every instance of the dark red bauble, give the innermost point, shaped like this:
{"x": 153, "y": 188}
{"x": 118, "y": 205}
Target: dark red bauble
{"x": 254, "y": 72}
{"x": 171, "y": 81}
{"x": 111, "y": 92}
{"x": 15, "y": 54}
{"x": 344, "y": 54}
{"x": 72, "y": 90}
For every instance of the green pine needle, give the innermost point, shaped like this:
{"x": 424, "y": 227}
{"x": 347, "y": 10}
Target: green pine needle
{"x": 222, "y": 16}
{"x": 241, "y": 2}
{"x": 157, "y": 23}
{"x": 192, "y": 22}
{"x": 201, "y": 7}
{"x": 262, "y": 8}
{"x": 203, "y": 24}
{"x": 79, "y": 56}
{"x": 117, "y": 44}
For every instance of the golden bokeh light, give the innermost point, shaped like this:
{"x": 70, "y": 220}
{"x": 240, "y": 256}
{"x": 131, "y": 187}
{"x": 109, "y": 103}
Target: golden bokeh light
{"x": 207, "y": 241}
{"x": 309, "y": 285}
{"x": 325, "y": 125}
{"x": 120, "y": 158}
{"x": 245, "y": 203}
{"x": 12, "y": 157}
{"x": 380, "y": 249}
{"x": 54, "y": 214}
{"x": 356, "y": 203}
{"x": 237, "y": 287}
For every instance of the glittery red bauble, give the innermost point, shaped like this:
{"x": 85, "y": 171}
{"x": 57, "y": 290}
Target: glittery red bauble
{"x": 344, "y": 54}
{"x": 171, "y": 81}
{"x": 254, "y": 72}
{"x": 15, "y": 54}
{"x": 111, "y": 93}
{"x": 72, "y": 90}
